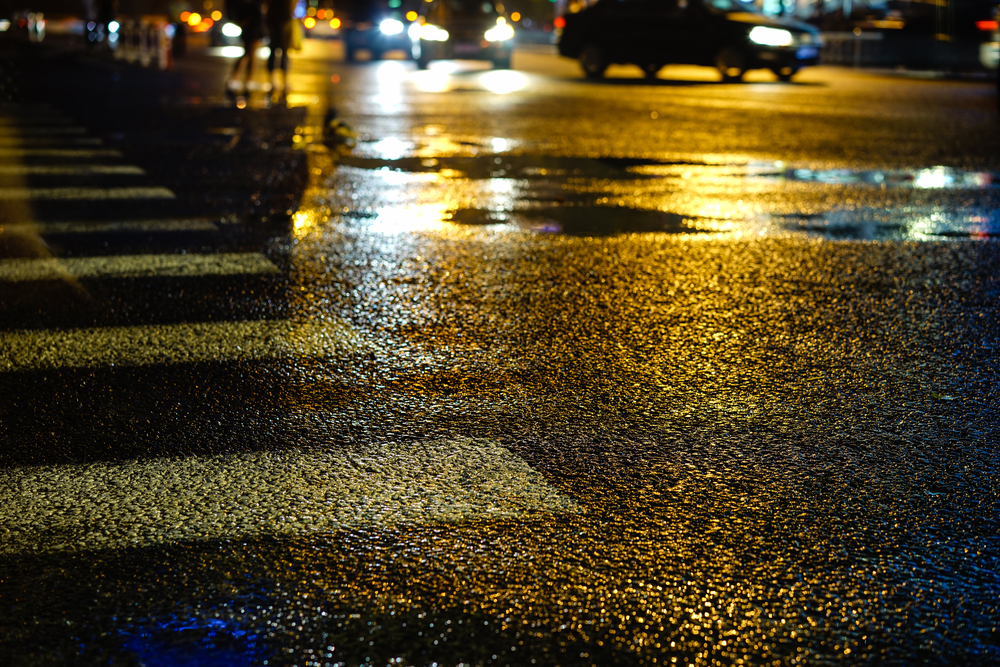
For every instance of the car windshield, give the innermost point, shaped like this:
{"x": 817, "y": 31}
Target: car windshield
{"x": 727, "y": 6}
{"x": 472, "y": 7}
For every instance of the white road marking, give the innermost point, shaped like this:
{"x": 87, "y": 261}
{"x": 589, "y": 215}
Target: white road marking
{"x": 247, "y": 495}
{"x": 173, "y": 344}
{"x": 58, "y": 152}
{"x": 43, "y": 228}
{"x": 71, "y": 170}
{"x": 37, "y": 140}
{"x": 87, "y": 193}
{"x": 134, "y": 266}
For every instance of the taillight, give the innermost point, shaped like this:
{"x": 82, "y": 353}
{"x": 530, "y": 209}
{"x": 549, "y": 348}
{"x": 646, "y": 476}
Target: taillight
{"x": 987, "y": 25}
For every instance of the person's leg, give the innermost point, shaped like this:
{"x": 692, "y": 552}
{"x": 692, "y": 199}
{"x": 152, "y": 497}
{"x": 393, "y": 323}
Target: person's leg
{"x": 284, "y": 68}
{"x": 250, "y": 52}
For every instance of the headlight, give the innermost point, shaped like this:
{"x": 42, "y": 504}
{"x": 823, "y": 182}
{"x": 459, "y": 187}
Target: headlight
{"x": 431, "y": 33}
{"x": 391, "y": 27}
{"x": 771, "y": 36}
{"x": 231, "y": 30}
{"x": 499, "y": 33}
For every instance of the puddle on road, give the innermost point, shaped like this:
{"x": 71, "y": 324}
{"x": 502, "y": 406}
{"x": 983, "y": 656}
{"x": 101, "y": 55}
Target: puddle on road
{"x": 577, "y": 196}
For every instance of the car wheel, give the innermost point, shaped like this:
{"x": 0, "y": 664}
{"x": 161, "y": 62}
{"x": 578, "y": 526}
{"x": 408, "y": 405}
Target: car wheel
{"x": 652, "y": 69}
{"x": 593, "y": 61}
{"x": 501, "y": 63}
{"x": 785, "y": 73}
{"x": 731, "y": 64}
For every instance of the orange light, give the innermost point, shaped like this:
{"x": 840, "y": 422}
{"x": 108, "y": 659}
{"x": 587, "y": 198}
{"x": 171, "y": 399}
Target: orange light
{"x": 321, "y": 13}
{"x": 184, "y": 16}
{"x": 335, "y": 78}
{"x": 411, "y": 16}
{"x": 334, "y": 23}
{"x": 560, "y": 22}
{"x": 201, "y": 27}
{"x": 310, "y": 22}
{"x": 194, "y": 19}
{"x": 207, "y": 22}
{"x": 987, "y": 25}
{"x": 216, "y": 15}
{"x": 516, "y": 16}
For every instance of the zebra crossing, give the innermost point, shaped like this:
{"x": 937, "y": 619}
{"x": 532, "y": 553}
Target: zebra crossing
{"x": 250, "y": 489}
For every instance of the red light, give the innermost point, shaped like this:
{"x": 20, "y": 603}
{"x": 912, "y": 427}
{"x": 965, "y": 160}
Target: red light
{"x": 560, "y": 22}
{"x": 184, "y": 16}
{"x": 986, "y": 25}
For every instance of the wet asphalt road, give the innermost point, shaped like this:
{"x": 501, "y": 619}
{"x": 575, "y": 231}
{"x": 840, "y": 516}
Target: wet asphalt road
{"x": 530, "y": 371}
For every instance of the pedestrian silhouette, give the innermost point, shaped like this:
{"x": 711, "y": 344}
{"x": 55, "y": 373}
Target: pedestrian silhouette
{"x": 249, "y": 16}
{"x": 285, "y": 34}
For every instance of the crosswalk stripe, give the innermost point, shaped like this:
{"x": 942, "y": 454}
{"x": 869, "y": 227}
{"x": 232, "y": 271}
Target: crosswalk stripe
{"x": 34, "y": 130}
{"x": 43, "y": 228}
{"x": 87, "y": 193}
{"x": 134, "y": 266}
{"x": 35, "y": 140}
{"x": 72, "y": 170}
{"x": 149, "y": 502}
{"x": 58, "y": 152}
{"x": 173, "y": 344}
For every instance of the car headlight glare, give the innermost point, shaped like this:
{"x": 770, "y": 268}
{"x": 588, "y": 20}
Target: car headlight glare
{"x": 431, "y": 33}
{"x": 231, "y": 30}
{"x": 391, "y": 27}
{"x": 501, "y": 32}
{"x": 771, "y": 36}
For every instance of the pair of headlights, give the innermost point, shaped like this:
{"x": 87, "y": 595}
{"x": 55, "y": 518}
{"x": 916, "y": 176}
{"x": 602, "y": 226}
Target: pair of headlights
{"x": 501, "y": 32}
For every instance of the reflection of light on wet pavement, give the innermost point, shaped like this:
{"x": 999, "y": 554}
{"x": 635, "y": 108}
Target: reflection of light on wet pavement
{"x": 413, "y": 218}
{"x": 391, "y": 148}
{"x": 390, "y": 75}
{"x": 500, "y": 145}
{"x": 431, "y": 81}
{"x": 504, "y": 81}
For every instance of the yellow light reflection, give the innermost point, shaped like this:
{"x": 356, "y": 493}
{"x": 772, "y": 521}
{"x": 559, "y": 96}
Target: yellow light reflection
{"x": 304, "y": 221}
{"x": 503, "y": 82}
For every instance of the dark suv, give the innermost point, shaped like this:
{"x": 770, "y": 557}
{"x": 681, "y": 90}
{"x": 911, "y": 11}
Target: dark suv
{"x": 730, "y": 35}
{"x": 375, "y": 26}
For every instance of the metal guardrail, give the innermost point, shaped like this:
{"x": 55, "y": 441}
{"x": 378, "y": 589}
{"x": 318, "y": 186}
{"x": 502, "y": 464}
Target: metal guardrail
{"x": 855, "y": 48}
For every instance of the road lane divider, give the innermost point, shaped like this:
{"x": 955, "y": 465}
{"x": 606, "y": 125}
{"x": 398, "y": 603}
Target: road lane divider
{"x": 34, "y": 350}
{"x": 246, "y": 495}
{"x": 134, "y": 266}
{"x": 45, "y": 228}
{"x": 91, "y": 194}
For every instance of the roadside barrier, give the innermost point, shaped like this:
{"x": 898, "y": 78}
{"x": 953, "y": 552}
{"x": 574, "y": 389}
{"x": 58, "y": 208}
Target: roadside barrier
{"x": 855, "y": 48}
{"x": 146, "y": 42}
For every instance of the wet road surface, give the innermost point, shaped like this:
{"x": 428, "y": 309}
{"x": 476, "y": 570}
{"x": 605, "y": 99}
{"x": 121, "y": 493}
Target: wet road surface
{"x": 532, "y": 371}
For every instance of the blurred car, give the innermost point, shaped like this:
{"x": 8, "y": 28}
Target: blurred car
{"x": 462, "y": 29}
{"x": 374, "y": 26}
{"x": 730, "y": 35}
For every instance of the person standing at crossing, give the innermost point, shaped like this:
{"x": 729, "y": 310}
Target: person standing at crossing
{"x": 285, "y": 34}
{"x": 249, "y": 16}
